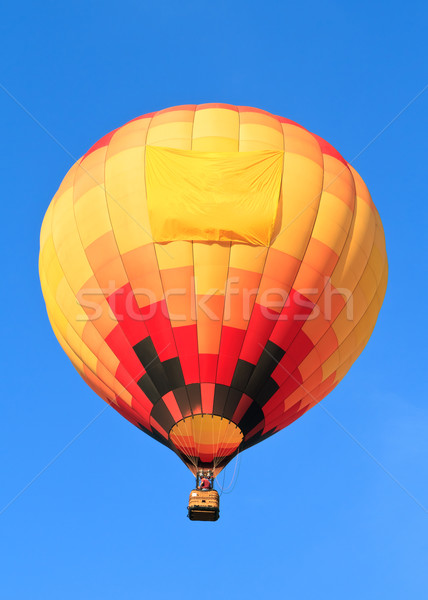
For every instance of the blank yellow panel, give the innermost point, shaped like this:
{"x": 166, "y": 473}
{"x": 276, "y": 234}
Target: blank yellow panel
{"x": 213, "y": 196}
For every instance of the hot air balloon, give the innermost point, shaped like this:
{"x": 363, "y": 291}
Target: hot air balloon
{"x": 212, "y": 272}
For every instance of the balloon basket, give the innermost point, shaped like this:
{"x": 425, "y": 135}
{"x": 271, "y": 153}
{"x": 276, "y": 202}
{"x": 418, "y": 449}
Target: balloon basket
{"x": 204, "y": 505}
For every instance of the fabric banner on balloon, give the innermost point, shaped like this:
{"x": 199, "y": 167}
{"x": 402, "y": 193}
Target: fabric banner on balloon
{"x": 213, "y": 196}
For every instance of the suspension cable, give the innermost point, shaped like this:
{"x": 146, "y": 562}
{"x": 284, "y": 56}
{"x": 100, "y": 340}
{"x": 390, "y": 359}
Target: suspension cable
{"x": 229, "y": 489}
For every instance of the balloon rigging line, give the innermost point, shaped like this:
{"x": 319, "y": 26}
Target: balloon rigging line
{"x": 233, "y": 480}
{"x": 222, "y": 485}
{"x": 352, "y": 437}
{"x": 71, "y": 155}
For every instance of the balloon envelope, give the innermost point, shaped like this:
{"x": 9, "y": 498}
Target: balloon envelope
{"x": 212, "y": 272}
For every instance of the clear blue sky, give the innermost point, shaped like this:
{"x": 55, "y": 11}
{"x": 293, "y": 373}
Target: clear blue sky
{"x": 99, "y": 523}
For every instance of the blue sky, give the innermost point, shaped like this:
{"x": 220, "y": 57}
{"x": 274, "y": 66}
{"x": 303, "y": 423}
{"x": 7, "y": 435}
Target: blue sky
{"x": 311, "y": 514}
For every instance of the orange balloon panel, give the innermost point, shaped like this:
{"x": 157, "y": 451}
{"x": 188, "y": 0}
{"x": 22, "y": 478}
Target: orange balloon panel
{"x": 212, "y": 272}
